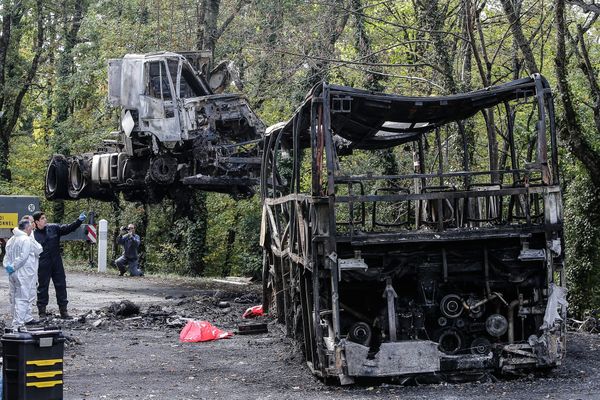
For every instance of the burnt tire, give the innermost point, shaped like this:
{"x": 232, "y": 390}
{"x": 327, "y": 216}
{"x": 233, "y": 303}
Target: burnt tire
{"x": 163, "y": 170}
{"x": 56, "y": 185}
{"x": 77, "y": 181}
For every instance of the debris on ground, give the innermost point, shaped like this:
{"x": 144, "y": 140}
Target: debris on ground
{"x": 590, "y": 324}
{"x": 150, "y": 347}
{"x": 256, "y": 311}
{"x": 202, "y": 331}
{"x": 247, "y": 298}
{"x": 124, "y": 308}
{"x": 252, "y": 329}
{"x": 223, "y": 308}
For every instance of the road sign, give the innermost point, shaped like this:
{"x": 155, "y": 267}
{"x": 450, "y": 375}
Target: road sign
{"x": 12, "y": 209}
{"x": 92, "y": 234}
{"x": 9, "y": 220}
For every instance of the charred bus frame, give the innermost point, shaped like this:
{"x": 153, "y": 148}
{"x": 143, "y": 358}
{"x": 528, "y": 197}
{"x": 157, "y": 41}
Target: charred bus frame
{"x": 435, "y": 271}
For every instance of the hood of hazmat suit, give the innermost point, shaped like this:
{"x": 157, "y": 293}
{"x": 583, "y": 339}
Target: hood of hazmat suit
{"x": 22, "y": 252}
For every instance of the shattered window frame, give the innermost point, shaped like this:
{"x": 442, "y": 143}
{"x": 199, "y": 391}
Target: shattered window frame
{"x": 158, "y": 81}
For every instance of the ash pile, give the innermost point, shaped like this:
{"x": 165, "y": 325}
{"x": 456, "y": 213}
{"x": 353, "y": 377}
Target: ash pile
{"x": 221, "y": 308}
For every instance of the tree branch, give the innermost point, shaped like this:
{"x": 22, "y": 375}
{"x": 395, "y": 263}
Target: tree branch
{"x": 586, "y": 66}
{"x": 37, "y": 53}
{"x": 229, "y": 19}
{"x": 571, "y": 131}
{"x": 517, "y": 31}
{"x": 593, "y": 8}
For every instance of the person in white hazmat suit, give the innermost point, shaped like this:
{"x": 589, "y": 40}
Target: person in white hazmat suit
{"x": 21, "y": 263}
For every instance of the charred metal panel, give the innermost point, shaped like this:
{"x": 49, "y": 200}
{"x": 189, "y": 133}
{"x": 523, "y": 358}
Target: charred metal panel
{"x": 114, "y": 81}
{"x": 132, "y": 82}
{"x": 392, "y": 359}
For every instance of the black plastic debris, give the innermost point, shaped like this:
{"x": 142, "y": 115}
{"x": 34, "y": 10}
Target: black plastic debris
{"x": 252, "y": 329}
{"x": 124, "y": 308}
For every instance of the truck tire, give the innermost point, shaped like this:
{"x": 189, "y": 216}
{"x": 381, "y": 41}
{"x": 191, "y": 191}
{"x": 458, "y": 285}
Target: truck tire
{"x": 56, "y": 183}
{"x": 77, "y": 182}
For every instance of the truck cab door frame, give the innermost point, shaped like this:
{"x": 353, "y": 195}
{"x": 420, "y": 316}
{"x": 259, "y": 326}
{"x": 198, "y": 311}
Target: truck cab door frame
{"x": 159, "y": 111}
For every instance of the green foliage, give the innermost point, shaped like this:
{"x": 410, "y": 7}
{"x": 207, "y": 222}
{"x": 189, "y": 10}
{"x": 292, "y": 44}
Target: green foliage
{"x": 233, "y": 228}
{"x": 582, "y": 234}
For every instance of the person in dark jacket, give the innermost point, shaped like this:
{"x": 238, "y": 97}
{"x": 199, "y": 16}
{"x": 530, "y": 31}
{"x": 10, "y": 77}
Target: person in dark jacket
{"x": 51, "y": 264}
{"x": 131, "y": 243}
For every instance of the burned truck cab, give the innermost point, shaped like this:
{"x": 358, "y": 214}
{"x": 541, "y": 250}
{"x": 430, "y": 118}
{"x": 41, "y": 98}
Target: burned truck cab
{"x": 176, "y": 130}
{"x": 417, "y": 235}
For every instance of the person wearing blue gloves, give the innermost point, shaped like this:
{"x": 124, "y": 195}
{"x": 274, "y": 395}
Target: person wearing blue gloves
{"x": 20, "y": 263}
{"x": 51, "y": 264}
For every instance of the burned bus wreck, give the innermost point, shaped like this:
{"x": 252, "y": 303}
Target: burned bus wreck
{"x": 441, "y": 261}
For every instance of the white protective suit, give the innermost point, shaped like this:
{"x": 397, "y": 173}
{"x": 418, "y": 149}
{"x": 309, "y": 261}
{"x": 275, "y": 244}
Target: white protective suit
{"x": 22, "y": 252}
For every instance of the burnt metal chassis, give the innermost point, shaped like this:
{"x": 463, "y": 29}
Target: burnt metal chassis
{"x": 301, "y": 242}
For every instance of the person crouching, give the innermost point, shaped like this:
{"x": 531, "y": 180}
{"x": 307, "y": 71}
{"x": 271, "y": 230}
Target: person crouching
{"x": 20, "y": 262}
{"x": 131, "y": 243}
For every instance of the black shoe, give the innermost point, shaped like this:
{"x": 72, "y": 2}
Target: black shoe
{"x": 33, "y": 322}
{"x": 121, "y": 273}
{"x": 64, "y": 314}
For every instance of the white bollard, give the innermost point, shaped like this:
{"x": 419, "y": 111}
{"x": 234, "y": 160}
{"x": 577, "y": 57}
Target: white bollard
{"x": 102, "y": 244}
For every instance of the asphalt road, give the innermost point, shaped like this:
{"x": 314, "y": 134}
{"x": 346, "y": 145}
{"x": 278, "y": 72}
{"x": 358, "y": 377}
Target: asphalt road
{"x": 143, "y": 358}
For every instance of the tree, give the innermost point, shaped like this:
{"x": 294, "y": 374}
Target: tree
{"x": 570, "y": 128}
{"x": 17, "y": 73}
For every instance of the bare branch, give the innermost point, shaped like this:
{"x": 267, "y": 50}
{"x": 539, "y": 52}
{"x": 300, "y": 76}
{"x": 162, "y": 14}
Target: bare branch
{"x": 236, "y": 10}
{"x": 349, "y": 62}
{"x": 517, "y": 32}
{"x": 586, "y": 7}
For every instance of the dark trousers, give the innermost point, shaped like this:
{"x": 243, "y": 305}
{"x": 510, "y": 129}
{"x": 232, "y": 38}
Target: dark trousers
{"x": 134, "y": 268}
{"x": 56, "y": 272}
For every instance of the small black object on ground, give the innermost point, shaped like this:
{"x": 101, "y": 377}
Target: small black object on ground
{"x": 253, "y": 328}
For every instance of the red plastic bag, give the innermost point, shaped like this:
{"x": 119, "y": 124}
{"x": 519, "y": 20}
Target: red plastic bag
{"x": 252, "y": 312}
{"x": 201, "y": 331}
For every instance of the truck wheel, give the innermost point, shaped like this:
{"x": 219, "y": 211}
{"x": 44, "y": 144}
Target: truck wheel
{"x": 56, "y": 186}
{"x": 77, "y": 182}
{"x": 163, "y": 170}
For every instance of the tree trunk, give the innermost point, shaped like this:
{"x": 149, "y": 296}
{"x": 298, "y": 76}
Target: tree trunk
{"x": 514, "y": 20}
{"x": 210, "y": 25}
{"x": 66, "y": 64}
{"x": 266, "y": 65}
{"x": 200, "y": 28}
{"x": 362, "y": 44}
{"x": 570, "y": 130}
{"x": 230, "y": 248}
{"x": 196, "y": 235}
{"x": 11, "y": 99}
{"x": 65, "y": 68}
{"x": 432, "y": 19}
{"x": 337, "y": 18}
{"x": 5, "y": 173}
